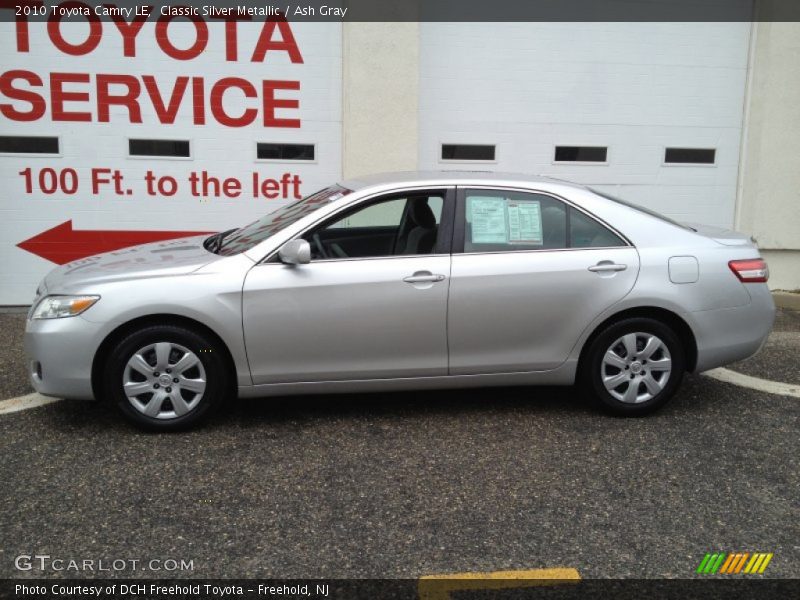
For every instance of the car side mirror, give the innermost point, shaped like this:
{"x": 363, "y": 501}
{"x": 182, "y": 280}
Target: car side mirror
{"x": 295, "y": 252}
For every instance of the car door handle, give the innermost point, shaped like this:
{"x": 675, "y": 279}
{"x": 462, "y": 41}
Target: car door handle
{"x": 605, "y": 266}
{"x": 423, "y": 277}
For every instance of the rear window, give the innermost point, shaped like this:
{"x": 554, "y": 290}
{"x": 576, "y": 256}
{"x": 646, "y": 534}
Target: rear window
{"x": 640, "y": 208}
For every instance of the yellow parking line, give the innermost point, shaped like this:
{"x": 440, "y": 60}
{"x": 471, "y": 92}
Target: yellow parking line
{"x": 438, "y": 587}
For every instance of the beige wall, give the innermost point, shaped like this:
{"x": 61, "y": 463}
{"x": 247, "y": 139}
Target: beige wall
{"x": 769, "y": 202}
{"x": 784, "y": 269}
{"x": 380, "y": 97}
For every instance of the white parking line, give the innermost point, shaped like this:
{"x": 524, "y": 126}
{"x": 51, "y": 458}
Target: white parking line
{"x": 25, "y": 402}
{"x": 754, "y": 383}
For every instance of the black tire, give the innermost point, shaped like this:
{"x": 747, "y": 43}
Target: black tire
{"x": 212, "y": 368}
{"x": 593, "y": 369}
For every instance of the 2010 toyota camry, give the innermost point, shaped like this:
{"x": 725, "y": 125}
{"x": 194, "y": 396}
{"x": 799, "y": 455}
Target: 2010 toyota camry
{"x": 405, "y": 281}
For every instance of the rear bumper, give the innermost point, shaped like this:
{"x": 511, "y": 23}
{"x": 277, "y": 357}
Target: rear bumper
{"x": 60, "y": 354}
{"x": 728, "y": 335}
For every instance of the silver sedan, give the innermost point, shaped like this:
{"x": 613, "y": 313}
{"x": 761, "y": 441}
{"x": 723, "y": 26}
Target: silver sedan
{"x": 399, "y": 282}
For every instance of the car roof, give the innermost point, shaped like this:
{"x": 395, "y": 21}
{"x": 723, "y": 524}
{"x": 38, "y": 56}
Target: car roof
{"x": 454, "y": 178}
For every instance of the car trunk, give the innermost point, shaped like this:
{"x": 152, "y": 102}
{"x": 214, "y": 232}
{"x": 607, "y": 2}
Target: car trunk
{"x": 724, "y": 236}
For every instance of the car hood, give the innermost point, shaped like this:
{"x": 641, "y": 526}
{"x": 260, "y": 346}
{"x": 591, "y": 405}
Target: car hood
{"x": 159, "y": 259}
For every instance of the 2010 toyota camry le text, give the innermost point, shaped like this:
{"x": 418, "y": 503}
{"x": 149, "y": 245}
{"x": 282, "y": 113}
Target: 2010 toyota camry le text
{"x": 404, "y": 281}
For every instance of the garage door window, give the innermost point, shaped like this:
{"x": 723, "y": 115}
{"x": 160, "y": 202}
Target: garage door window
{"x": 689, "y": 156}
{"x": 28, "y": 144}
{"x": 159, "y": 148}
{"x": 581, "y": 154}
{"x": 468, "y": 152}
{"x": 285, "y": 152}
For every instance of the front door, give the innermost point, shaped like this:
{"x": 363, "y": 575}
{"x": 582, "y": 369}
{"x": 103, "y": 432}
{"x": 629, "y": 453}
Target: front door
{"x": 371, "y": 304}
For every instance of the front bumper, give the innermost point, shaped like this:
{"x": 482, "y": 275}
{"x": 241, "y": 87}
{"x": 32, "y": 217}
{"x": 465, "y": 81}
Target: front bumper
{"x": 60, "y": 354}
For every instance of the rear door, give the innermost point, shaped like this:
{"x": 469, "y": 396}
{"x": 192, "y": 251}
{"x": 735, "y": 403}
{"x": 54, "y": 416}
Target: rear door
{"x": 529, "y": 274}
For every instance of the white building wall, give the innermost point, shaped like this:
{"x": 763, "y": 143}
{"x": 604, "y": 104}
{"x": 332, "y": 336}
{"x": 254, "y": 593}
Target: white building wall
{"x": 634, "y": 87}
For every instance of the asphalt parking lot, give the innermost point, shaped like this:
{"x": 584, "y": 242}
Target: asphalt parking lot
{"x": 404, "y": 485}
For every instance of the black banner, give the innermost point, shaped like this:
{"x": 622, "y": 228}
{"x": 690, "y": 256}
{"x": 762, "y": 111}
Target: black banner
{"x": 422, "y": 589}
{"x": 405, "y": 10}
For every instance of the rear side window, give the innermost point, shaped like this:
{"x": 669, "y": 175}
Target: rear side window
{"x": 500, "y": 221}
{"x": 585, "y": 232}
{"x": 506, "y": 221}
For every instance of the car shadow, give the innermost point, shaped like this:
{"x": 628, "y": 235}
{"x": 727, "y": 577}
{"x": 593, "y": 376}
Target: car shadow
{"x": 419, "y": 404}
{"x": 695, "y": 397}
{"x": 76, "y": 415}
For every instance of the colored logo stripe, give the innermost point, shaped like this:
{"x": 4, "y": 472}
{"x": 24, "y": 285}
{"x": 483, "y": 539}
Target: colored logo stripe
{"x": 711, "y": 562}
{"x": 727, "y": 564}
{"x": 758, "y": 563}
{"x": 734, "y": 563}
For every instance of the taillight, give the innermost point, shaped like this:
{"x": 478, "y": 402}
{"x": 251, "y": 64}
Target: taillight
{"x": 754, "y": 270}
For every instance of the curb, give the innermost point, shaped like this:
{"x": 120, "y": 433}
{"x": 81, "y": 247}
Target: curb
{"x": 786, "y": 300}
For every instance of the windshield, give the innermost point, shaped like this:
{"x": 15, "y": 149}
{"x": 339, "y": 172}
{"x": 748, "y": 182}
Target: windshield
{"x": 249, "y": 236}
{"x": 641, "y": 208}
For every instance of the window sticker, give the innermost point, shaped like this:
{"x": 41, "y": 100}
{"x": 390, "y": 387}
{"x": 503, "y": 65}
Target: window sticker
{"x": 488, "y": 218}
{"x": 524, "y": 222}
{"x": 503, "y": 221}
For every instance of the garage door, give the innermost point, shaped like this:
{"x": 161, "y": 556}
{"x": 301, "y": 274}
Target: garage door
{"x": 651, "y": 112}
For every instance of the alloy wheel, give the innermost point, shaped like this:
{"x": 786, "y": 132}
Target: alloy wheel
{"x": 164, "y": 380}
{"x": 636, "y": 367}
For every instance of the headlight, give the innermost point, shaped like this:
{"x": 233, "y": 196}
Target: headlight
{"x": 56, "y": 307}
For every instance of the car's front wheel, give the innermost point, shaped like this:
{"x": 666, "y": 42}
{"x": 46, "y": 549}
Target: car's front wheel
{"x": 165, "y": 377}
{"x": 634, "y": 367}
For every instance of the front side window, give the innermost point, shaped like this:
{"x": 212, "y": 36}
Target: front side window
{"x": 406, "y": 225}
{"x": 256, "y": 232}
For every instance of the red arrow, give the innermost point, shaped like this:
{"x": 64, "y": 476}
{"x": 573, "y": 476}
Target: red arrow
{"x": 63, "y": 244}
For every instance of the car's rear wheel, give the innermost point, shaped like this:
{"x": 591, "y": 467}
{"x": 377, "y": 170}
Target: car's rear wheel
{"x": 166, "y": 377}
{"x": 634, "y": 367}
